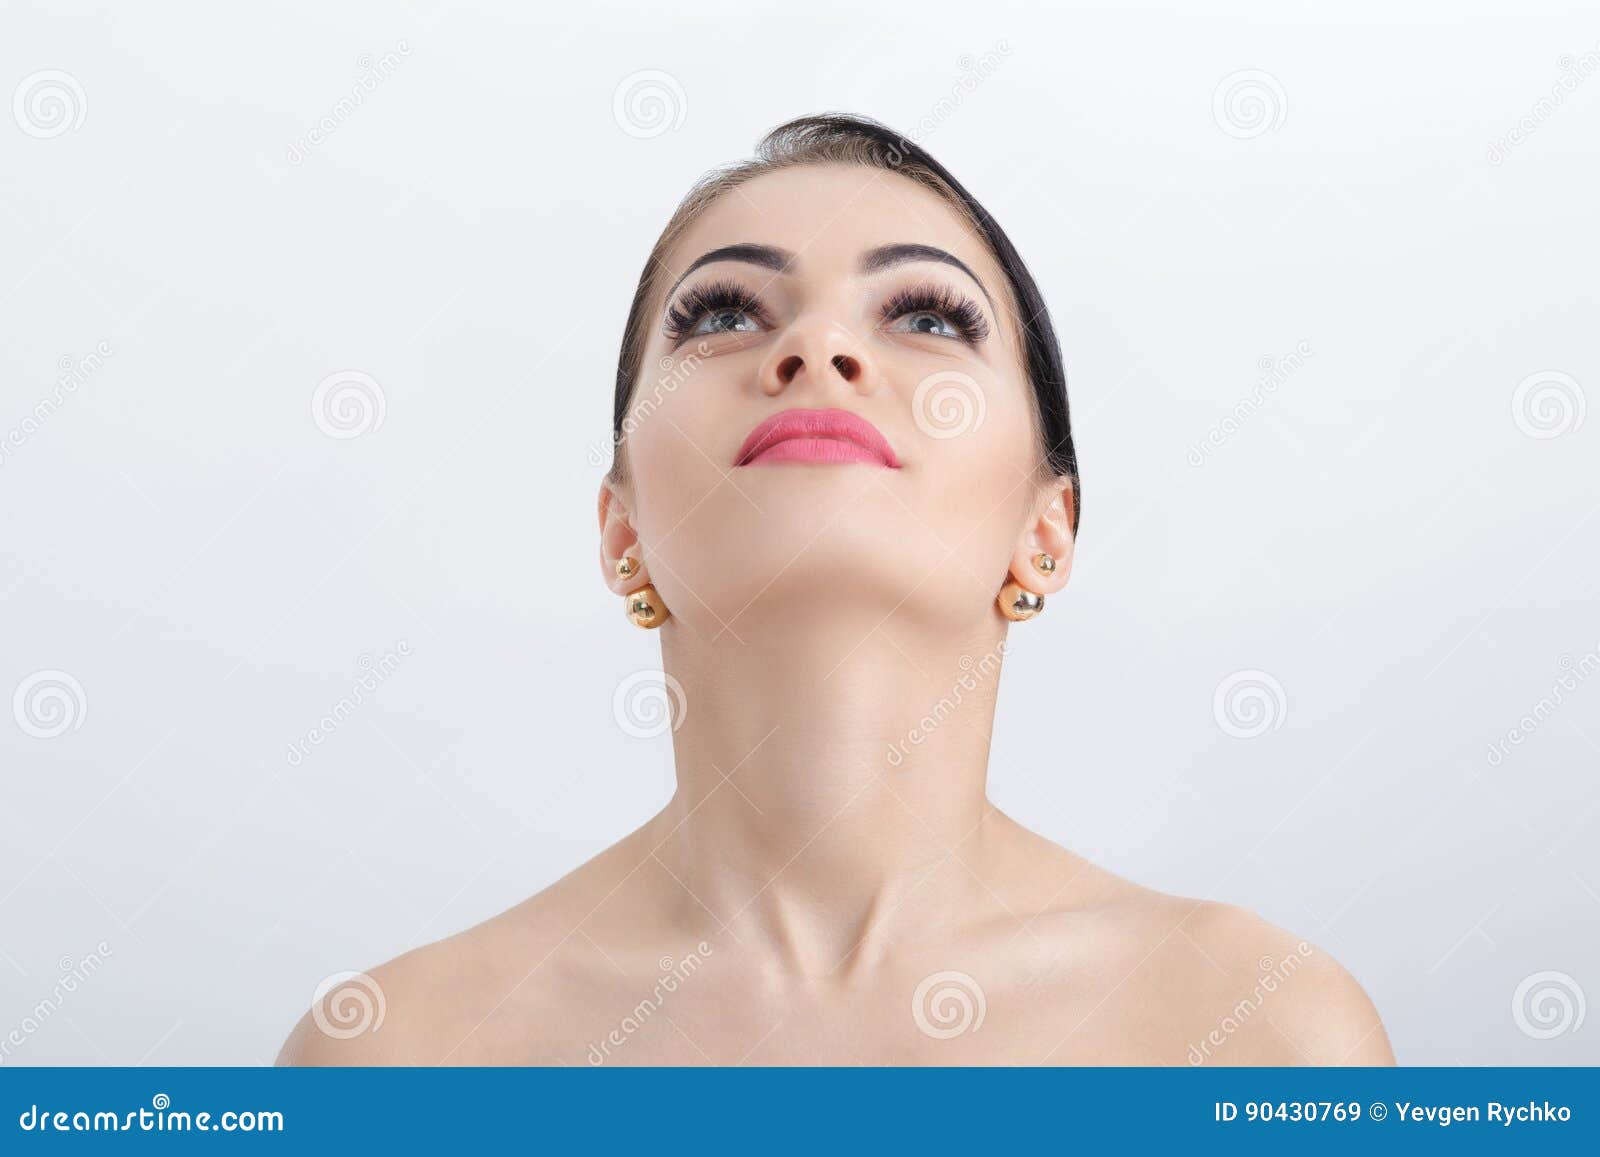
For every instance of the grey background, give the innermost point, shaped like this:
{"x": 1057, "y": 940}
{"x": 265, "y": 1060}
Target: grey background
{"x": 1395, "y": 535}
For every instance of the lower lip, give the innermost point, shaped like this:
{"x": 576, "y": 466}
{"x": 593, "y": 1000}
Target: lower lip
{"x": 816, "y": 450}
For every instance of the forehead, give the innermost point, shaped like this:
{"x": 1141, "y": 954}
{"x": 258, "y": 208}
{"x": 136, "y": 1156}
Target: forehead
{"x": 829, "y": 214}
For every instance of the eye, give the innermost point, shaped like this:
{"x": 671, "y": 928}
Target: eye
{"x": 716, "y": 308}
{"x": 935, "y": 311}
{"x": 925, "y": 321}
{"x": 724, "y": 321}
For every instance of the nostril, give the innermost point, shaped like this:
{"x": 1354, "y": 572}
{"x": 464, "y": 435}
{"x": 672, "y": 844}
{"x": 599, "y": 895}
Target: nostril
{"x": 849, "y": 369}
{"x": 789, "y": 367}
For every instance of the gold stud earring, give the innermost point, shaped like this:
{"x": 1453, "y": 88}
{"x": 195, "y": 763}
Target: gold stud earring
{"x": 1018, "y": 604}
{"x": 646, "y": 609}
{"x": 627, "y": 567}
{"x": 1044, "y": 563}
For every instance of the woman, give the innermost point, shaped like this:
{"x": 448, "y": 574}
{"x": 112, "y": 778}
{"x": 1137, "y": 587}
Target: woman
{"x": 843, "y": 470}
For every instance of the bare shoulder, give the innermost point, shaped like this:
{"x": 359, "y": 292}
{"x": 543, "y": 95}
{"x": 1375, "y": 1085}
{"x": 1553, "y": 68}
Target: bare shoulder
{"x": 1144, "y": 976}
{"x": 1264, "y": 995}
{"x": 489, "y": 994}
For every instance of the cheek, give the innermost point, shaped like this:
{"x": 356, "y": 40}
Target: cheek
{"x": 676, "y": 435}
{"x": 978, "y": 459}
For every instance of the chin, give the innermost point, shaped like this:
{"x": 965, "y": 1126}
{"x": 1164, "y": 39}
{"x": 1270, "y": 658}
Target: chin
{"x": 800, "y": 558}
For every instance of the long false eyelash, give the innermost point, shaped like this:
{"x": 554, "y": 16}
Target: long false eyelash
{"x": 708, "y": 297}
{"x": 960, "y": 311}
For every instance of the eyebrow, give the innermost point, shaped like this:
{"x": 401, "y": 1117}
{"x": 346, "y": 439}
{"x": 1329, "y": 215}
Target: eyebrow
{"x": 766, "y": 256}
{"x": 887, "y": 256}
{"x": 872, "y": 261}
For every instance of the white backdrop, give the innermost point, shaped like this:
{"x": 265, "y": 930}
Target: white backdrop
{"x": 1326, "y": 285}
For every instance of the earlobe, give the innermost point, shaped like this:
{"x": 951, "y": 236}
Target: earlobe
{"x": 620, "y": 560}
{"x": 1042, "y": 562}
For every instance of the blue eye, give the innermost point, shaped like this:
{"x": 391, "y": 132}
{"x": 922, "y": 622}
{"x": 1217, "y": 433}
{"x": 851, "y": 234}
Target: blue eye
{"x": 724, "y": 321}
{"x": 717, "y": 308}
{"x": 925, "y": 321}
{"x": 936, "y": 311}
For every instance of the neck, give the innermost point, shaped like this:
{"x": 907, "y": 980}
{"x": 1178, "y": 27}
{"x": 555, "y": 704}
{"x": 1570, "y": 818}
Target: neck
{"x": 824, "y": 770}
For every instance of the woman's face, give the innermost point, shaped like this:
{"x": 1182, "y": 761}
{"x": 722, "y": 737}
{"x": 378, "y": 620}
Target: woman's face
{"x": 832, "y": 412}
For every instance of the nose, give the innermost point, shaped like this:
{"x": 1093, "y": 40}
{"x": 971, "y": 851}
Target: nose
{"x": 820, "y": 353}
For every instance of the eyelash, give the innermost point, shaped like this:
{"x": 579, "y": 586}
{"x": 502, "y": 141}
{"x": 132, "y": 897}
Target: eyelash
{"x": 962, "y": 313}
{"x": 712, "y": 297}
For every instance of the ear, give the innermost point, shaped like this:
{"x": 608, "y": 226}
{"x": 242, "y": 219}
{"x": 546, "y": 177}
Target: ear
{"x": 618, "y": 540}
{"x": 1047, "y": 531}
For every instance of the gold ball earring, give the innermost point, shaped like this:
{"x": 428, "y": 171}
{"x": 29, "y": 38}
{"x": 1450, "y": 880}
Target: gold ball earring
{"x": 645, "y": 608}
{"x": 627, "y": 567}
{"x": 1017, "y": 603}
{"x": 1044, "y": 563}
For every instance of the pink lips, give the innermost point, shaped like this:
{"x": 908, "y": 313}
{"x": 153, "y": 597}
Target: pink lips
{"x": 817, "y": 436}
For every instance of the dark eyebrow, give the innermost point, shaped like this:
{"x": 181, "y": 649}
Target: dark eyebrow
{"x": 766, "y": 256}
{"x": 885, "y": 256}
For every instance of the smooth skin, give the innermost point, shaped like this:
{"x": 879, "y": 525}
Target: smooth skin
{"x": 827, "y": 851}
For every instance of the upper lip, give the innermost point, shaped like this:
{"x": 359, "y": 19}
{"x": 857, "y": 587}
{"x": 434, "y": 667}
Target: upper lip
{"x": 841, "y": 425}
